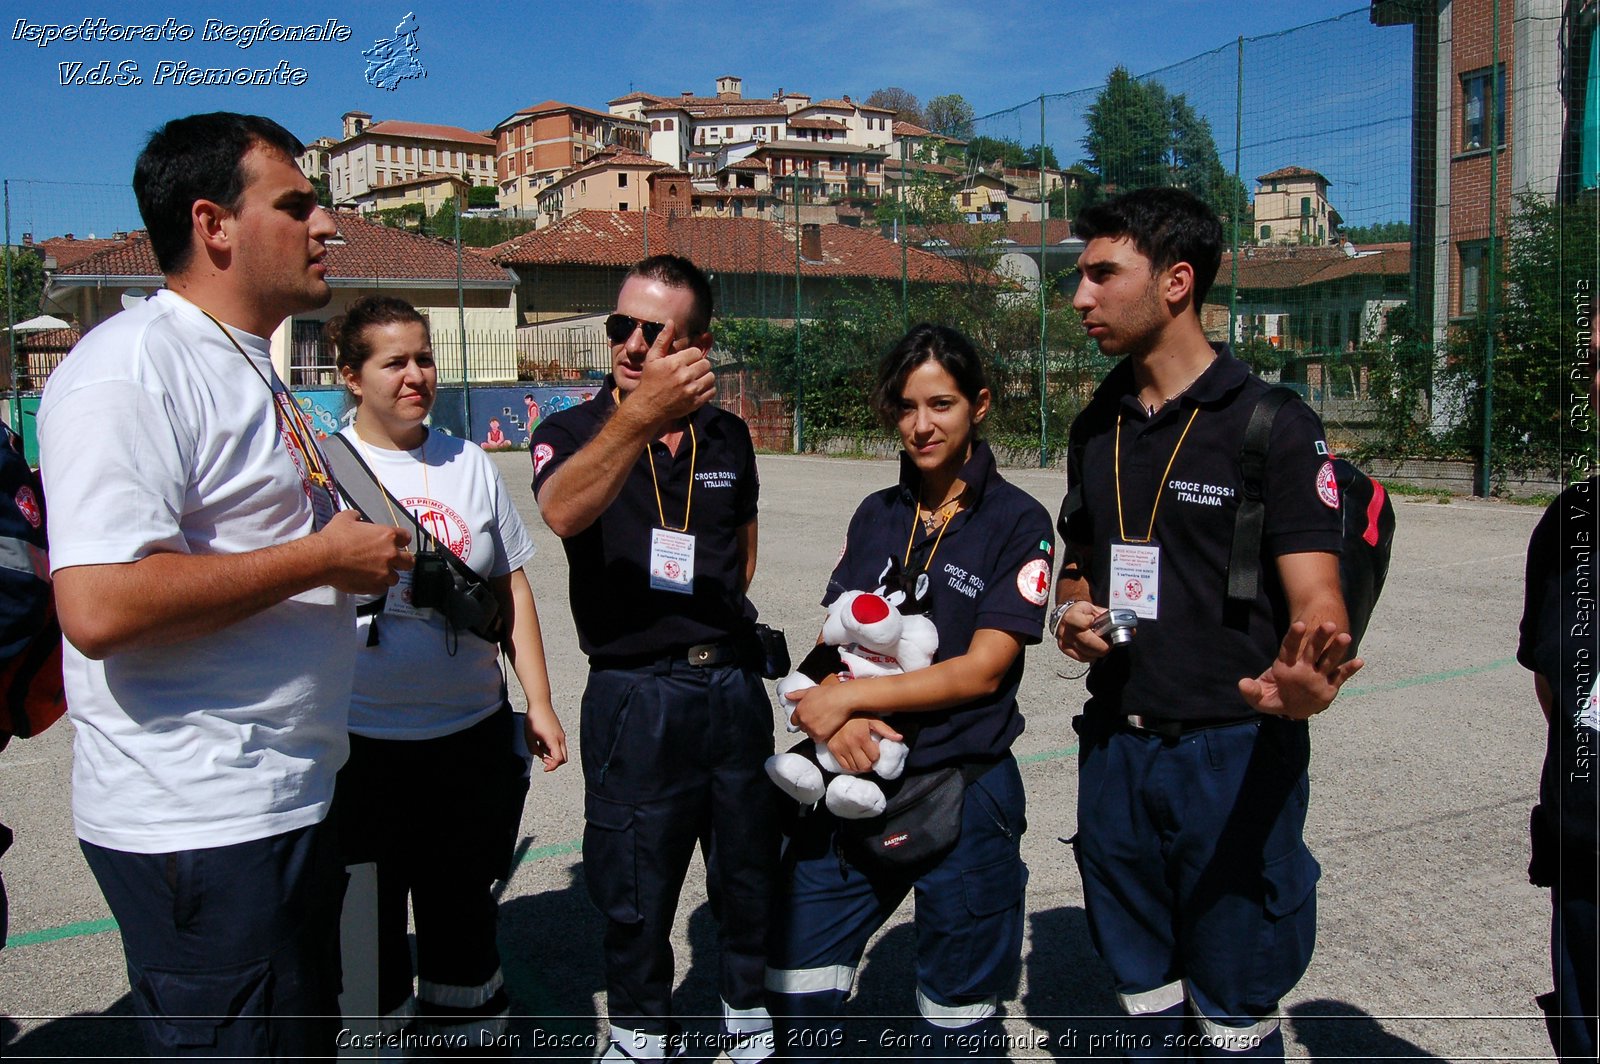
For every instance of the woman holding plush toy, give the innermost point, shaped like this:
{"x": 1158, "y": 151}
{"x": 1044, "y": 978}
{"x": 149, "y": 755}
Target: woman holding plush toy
{"x": 974, "y": 551}
{"x": 434, "y": 786}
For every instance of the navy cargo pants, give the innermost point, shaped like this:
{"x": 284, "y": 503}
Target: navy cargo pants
{"x": 673, "y": 755}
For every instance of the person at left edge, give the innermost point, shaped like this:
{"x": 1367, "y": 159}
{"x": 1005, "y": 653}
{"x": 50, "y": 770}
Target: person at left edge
{"x": 653, "y": 490}
{"x": 203, "y": 583}
{"x": 434, "y": 787}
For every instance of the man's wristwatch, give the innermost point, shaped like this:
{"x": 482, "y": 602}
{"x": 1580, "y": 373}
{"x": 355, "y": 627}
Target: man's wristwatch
{"x": 1058, "y": 613}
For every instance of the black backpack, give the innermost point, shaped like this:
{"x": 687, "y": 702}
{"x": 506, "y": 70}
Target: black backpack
{"x": 1363, "y": 504}
{"x": 31, "y": 696}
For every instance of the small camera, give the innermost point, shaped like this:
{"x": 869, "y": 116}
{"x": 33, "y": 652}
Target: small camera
{"x": 1116, "y": 626}
{"x": 431, "y": 581}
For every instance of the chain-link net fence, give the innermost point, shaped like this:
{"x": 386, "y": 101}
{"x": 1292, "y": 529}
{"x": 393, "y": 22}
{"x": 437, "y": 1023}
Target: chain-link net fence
{"x": 1407, "y": 192}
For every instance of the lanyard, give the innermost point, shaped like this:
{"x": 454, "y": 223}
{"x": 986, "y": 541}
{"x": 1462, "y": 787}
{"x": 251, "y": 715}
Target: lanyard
{"x": 316, "y": 469}
{"x": 688, "y": 496}
{"x": 916, "y": 519}
{"x": 394, "y": 518}
{"x": 1149, "y": 532}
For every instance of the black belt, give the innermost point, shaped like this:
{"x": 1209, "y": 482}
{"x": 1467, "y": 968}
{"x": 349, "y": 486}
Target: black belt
{"x": 703, "y": 655}
{"x": 1176, "y": 728}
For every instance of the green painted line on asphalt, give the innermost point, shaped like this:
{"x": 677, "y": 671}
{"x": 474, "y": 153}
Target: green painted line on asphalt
{"x": 55, "y": 934}
{"x": 1048, "y": 755}
{"x": 563, "y": 849}
{"x": 1427, "y": 678}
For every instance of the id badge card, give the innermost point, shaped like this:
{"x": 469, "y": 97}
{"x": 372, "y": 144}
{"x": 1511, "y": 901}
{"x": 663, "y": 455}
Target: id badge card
{"x": 398, "y": 603}
{"x": 1136, "y": 578}
{"x": 671, "y": 561}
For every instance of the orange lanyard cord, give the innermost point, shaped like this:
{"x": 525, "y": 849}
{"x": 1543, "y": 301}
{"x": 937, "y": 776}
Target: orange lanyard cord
{"x": 688, "y": 498}
{"x": 1117, "y": 469}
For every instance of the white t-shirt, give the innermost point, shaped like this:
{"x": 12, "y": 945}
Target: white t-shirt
{"x": 409, "y": 686}
{"x": 155, "y": 435}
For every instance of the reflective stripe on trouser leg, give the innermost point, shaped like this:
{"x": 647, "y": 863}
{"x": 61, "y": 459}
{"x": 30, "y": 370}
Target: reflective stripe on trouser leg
{"x": 970, "y": 1031}
{"x": 953, "y": 1017}
{"x": 830, "y": 978}
{"x": 1160, "y": 999}
{"x": 1260, "y": 1040}
{"x": 636, "y": 1045}
{"x": 747, "y": 1033}
{"x": 459, "y": 997}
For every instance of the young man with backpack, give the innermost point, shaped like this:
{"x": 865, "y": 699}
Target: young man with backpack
{"x": 1199, "y": 889}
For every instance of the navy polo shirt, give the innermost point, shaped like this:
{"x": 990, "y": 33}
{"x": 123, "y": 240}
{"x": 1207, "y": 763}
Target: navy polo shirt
{"x": 991, "y": 569}
{"x": 1186, "y": 663}
{"x": 617, "y": 613}
{"x": 1560, "y": 641}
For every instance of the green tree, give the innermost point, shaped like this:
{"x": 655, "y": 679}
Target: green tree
{"x": 1140, "y": 136}
{"x": 1378, "y": 233}
{"x": 950, "y": 115}
{"x": 324, "y": 195}
{"x": 904, "y": 104}
{"x": 481, "y": 196}
{"x": 1544, "y": 310}
{"x": 27, "y": 284}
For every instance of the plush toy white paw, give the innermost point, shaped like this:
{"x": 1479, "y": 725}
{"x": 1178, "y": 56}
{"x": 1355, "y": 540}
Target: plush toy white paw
{"x": 796, "y": 777}
{"x": 855, "y": 798}
{"x": 795, "y": 681}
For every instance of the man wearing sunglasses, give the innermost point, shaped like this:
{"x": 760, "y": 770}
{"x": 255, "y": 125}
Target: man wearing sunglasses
{"x": 653, "y": 492}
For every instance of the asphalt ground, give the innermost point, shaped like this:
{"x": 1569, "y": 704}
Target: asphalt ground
{"x": 1431, "y": 944}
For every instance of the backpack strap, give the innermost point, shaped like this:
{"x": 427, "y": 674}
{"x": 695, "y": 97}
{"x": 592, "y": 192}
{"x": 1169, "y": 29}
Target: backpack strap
{"x": 1249, "y": 522}
{"x": 361, "y": 488}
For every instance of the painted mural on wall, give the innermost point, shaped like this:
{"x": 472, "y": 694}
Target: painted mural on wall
{"x": 502, "y": 418}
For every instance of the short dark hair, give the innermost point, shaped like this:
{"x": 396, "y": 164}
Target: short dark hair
{"x": 1167, "y": 225}
{"x": 195, "y": 158}
{"x": 348, "y": 332}
{"x": 674, "y": 271}
{"x": 925, "y": 342}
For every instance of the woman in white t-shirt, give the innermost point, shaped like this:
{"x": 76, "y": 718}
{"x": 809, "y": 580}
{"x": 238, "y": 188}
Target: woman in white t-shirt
{"x": 434, "y": 786}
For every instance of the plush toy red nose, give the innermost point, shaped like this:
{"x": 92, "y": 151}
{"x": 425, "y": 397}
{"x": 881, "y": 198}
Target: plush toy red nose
{"x": 869, "y": 609}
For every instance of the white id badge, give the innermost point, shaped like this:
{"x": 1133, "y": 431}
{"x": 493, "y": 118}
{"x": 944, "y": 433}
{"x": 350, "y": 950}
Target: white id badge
{"x": 398, "y": 603}
{"x": 671, "y": 561}
{"x": 1136, "y": 578}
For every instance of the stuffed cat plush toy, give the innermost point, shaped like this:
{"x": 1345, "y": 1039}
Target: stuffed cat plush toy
{"x": 867, "y": 633}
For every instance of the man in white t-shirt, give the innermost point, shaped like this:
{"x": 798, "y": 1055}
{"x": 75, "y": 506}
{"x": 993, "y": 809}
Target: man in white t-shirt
{"x": 203, "y": 579}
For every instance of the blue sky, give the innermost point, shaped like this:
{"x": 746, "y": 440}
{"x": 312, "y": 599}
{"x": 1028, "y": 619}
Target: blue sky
{"x": 484, "y": 61}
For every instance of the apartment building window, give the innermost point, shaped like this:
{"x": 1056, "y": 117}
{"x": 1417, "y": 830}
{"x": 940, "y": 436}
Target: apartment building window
{"x": 1474, "y": 275}
{"x": 1475, "y": 93}
{"x": 622, "y": 206}
{"x": 1266, "y": 232}
{"x": 622, "y": 182}
{"x": 834, "y": 163}
{"x": 379, "y": 150}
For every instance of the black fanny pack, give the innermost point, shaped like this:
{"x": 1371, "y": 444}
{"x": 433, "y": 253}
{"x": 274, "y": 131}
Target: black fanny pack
{"x": 921, "y": 823}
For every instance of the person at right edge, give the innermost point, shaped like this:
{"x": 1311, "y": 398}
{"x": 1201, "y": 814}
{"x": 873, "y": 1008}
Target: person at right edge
{"x": 1192, "y": 781}
{"x": 1560, "y": 646}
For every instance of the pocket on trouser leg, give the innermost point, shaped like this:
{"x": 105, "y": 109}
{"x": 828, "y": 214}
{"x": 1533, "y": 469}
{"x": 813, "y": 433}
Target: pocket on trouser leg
{"x": 1290, "y": 931}
{"x": 225, "y": 1009}
{"x": 610, "y": 860}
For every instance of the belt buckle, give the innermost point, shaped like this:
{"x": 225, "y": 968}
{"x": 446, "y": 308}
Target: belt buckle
{"x": 701, "y": 654}
{"x": 1166, "y": 729}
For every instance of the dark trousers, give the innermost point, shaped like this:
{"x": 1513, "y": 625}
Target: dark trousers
{"x": 1574, "y": 955}
{"x": 439, "y": 817}
{"x": 969, "y": 917}
{"x": 1198, "y": 886}
{"x": 672, "y": 756}
{"x": 232, "y": 951}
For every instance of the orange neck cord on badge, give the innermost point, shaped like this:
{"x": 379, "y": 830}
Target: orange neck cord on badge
{"x": 316, "y": 472}
{"x": 688, "y": 497}
{"x": 916, "y": 519}
{"x": 1117, "y": 467}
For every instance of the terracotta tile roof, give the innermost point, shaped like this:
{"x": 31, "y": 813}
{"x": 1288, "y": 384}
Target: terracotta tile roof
{"x": 910, "y": 129}
{"x": 843, "y": 105}
{"x": 425, "y": 131}
{"x": 68, "y": 251}
{"x": 747, "y": 164}
{"x": 48, "y": 340}
{"x": 370, "y": 251}
{"x": 819, "y": 147}
{"x": 645, "y": 97}
{"x": 722, "y": 245}
{"x": 557, "y": 105}
{"x": 816, "y": 123}
{"x": 1286, "y": 173}
{"x": 735, "y": 108}
{"x": 1295, "y": 267}
{"x": 736, "y": 193}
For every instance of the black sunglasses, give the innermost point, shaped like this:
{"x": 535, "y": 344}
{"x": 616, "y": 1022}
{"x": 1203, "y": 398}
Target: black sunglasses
{"x": 619, "y": 327}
